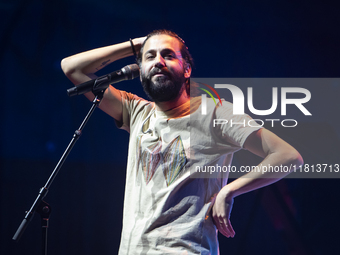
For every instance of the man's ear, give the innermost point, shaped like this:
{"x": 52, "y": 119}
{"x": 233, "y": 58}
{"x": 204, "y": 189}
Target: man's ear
{"x": 187, "y": 71}
{"x": 140, "y": 72}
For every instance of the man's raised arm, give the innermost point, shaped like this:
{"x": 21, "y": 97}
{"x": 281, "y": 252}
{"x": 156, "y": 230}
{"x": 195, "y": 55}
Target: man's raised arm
{"x": 82, "y": 67}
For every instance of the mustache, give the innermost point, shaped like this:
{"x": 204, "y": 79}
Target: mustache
{"x": 157, "y": 70}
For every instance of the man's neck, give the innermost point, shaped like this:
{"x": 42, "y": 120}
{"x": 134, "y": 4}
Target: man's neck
{"x": 168, "y": 105}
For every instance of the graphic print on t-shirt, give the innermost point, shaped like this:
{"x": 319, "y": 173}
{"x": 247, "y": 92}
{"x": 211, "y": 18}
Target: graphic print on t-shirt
{"x": 149, "y": 158}
{"x": 172, "y": 159}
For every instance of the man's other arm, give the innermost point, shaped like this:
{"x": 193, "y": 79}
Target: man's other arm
{"x": 275, "y": 152}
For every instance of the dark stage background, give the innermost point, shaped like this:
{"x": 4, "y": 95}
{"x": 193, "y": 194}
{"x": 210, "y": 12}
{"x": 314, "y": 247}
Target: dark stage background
{"x": 226, "y": 39}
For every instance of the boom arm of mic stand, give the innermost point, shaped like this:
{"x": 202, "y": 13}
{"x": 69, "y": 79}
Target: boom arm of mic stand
{"x": 44, "y": 190}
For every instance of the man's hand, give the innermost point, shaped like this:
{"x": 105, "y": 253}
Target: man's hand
{"x": 138, "y": 42}
{"x": 221, "y": 212}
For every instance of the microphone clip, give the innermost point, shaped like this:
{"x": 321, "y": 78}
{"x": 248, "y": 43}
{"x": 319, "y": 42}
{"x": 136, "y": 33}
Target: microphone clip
{"x": 101, "y": 84}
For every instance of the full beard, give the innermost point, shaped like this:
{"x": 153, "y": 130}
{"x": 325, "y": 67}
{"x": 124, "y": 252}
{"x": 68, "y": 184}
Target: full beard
{"x": 163, "y": 88}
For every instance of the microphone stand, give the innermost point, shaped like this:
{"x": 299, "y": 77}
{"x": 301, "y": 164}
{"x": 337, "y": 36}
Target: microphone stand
{"x": 40, "y": 206}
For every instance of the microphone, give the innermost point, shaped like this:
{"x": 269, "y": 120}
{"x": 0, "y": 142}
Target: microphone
{"x": 128, "y": 72}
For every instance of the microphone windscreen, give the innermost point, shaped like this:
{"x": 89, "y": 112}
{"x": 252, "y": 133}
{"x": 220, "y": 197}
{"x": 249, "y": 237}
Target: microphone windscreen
{"x": 131, "y": 71}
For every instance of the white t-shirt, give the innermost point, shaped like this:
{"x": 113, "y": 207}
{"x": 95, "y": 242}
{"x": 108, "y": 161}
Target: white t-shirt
{"x": 167, "y": 201}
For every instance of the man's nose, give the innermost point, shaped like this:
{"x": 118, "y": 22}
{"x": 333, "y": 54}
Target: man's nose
{"x": 159, "y": 61}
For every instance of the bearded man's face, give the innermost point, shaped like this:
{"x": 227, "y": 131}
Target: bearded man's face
{"x": 163, "y": 73}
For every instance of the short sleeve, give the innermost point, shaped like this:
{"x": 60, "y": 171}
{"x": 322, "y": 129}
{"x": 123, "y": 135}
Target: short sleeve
{"x": 132, "y": 107}
{"x": 232, "y": 128}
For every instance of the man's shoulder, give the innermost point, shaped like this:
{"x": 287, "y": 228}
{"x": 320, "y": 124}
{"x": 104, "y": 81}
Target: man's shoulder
{"x": 132, "y": 97}
{"x": 208, "y": 106}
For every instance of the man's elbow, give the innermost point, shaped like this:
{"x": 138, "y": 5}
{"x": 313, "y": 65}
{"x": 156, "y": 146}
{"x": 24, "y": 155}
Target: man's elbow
{"x": 295, "y": 158}
{"x": 67, "y": 67}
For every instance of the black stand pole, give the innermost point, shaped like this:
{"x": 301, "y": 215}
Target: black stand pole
{"x": 41, "y": 206}
{"x": 44, "y": 210}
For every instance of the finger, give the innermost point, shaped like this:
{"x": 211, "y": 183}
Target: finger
{"x": 230, "y": 229}
{"x": 223, "y": 230}
{"x": 220, "y": 225}
{"x": 227, "y": 228}
{"x": 223, "y": 226}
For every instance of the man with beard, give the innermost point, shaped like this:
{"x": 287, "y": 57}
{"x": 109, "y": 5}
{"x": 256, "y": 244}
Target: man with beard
{"x": 167, "y": 208}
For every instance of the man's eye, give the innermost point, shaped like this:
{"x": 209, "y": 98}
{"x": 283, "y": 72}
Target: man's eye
{"x": 169, "y": 56}
{"x": 149, "y": 57}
